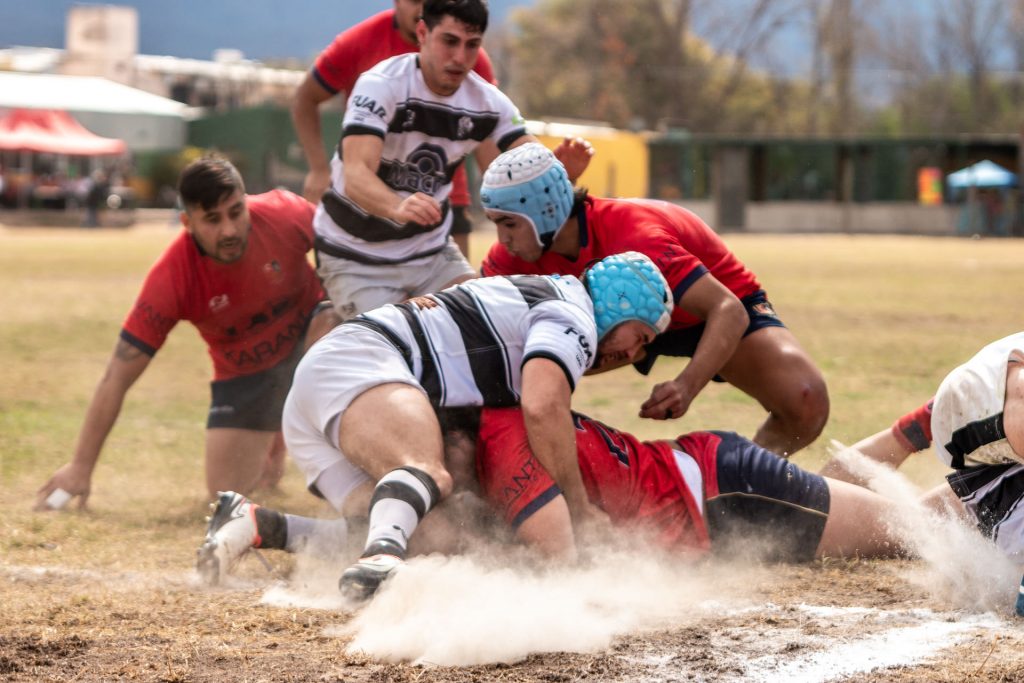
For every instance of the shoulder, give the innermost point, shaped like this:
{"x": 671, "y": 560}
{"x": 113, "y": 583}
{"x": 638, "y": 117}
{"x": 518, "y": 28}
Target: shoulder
{"x": 278, "y": 203}
{"x": 371, "y": 27}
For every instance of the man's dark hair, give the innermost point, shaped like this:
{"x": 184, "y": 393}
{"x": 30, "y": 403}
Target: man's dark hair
{"x": 472, "y": 13}
{"x": 208, "y": 181}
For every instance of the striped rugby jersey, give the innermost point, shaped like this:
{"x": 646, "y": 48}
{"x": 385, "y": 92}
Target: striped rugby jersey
{"x": 467, "y": 344}
{"x": 426, "y": 137}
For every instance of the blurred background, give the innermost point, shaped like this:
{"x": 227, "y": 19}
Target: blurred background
{"x": 877, "y": 116}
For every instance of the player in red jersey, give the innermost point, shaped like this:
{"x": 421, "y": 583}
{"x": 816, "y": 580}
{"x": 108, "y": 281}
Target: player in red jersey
{"x": 700, "y": 492}
{"x": 389, "y": 33}
{"x": 240, "y": 273}
{"x": 722, "y": 319}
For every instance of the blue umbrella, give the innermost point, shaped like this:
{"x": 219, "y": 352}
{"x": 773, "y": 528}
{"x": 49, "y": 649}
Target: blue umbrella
{"x": 982, "y": 174}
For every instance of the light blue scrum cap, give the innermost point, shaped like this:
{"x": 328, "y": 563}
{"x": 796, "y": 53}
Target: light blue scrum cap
{"x": 529, "y": 181}
{"x": 628, "y": 286}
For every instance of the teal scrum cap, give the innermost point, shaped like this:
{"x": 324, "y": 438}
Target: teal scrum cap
{"x": 628, "y": 286}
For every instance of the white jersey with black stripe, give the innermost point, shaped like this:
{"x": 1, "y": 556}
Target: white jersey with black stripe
{"x": 426, "y": 137}
{"x": 467, "y": 344}
{"x": 967, "y": 415}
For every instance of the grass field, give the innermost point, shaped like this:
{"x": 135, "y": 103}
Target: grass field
{"x": 884, "y": 317}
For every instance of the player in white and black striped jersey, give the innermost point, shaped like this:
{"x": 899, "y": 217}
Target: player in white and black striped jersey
{"x": 361, "y": 414}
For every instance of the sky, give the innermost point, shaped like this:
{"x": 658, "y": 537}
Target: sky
{"x": 261, "y": 29}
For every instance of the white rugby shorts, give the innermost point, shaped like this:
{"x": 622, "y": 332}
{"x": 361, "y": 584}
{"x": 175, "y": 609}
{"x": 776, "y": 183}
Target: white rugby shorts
{"x": 355, "y": 288}
{"x": 339, "y": 367}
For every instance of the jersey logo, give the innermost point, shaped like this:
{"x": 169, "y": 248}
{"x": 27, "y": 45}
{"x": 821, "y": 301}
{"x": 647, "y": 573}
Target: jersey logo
{"x": 465, "y": 127}
{"x": 272, "y": 270}
{"x": 423, "y": 171}
{"x": 370, "y": 105}
{"x": 219, "y": 302}
{"x": 584, "y": 355}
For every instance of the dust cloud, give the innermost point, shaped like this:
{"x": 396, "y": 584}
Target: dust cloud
{"x": 960, "y": 565}
{"x": 468, "y": 610}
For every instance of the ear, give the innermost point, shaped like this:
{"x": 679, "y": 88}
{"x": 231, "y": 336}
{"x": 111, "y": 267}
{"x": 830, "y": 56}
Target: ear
{"x": 185, "y": 221}
{"x": 421, "y": 32}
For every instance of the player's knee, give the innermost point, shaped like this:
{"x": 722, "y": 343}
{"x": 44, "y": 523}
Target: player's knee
{"x": 807, "y": 408}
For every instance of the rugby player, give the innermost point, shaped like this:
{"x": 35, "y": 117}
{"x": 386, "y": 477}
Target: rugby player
{"x": 239, "y": 272}
{"x": 721, "y": 318}
{"x": 361, "y": 412}
{"x": 386, "y": 34}
{"x": 976, "y": 423}
{"x": 383, "y": 225}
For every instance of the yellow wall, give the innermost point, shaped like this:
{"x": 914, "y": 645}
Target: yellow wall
{"x": 619, "y": 165}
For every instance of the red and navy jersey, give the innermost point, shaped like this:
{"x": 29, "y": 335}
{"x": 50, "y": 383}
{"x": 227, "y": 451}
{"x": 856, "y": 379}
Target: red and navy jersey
{"x": 364, "y": 45}
{"x": 252, "y": 312}
{"x": 637, "y": 483}
{"x": 682, "y": 245}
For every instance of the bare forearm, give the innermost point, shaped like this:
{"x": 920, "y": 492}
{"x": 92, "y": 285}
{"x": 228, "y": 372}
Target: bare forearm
{"x": 306, "y": 119}
{"x": 553, "y": 442}
{"x": 99, "y": 421}
{"x": 366, "y": 189}
{"x": 722, "y": 333}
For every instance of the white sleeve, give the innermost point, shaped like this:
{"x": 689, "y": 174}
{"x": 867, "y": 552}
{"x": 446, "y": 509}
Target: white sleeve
{"x": 561, "y": 331}
{"x": 371, "y": 105}
{"x": 511, "y": 124}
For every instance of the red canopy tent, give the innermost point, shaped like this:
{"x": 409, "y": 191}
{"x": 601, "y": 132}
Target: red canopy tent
{"x": 55, "y": 132}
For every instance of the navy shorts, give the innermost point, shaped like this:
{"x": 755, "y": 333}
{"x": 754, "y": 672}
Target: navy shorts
{"x": 683, "y": 342}
{"x": 256, "y": 401}
{"x": 766, "y": 506}
{"x": 461, "y": 224}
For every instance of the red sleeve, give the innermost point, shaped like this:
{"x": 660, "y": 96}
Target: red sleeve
{"x": 459, "y": 195}
{"x": 511, "y": 479}
{"x": 341, "y": 63}
{"x": 157, "y": 308}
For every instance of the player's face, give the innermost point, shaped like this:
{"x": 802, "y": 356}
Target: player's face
{"x": 407, "y": 15}
{"x": 222, "y": 231}
{"x": 448, "y": 53}
{"x": 624, "y": 344}
{"x": 517, "y": 235}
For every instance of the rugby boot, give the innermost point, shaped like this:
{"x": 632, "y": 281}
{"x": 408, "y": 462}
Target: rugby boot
{"x": 230, "y": 534}
{"x": 380, "y": 561}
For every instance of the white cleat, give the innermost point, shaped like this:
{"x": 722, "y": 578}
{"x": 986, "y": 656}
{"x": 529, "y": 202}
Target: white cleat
{"x": 230, "y": 534}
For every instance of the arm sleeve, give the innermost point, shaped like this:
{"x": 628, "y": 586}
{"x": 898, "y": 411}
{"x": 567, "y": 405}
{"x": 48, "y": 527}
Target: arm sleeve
{"x": 680, "y": 268}
{"x": 560, "y": 331}
{"x": 511, "y": 124}
{"x": 155, "y": 313}
{"x": 370, "y": 107}
{"x": 337, "y": 67}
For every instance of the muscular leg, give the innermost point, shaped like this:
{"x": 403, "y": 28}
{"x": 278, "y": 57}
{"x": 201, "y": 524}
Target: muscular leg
{"x": 235, "y": 458}
{"x": 858, "y": 523}
{"x": 392, "y": 433}
{"x": 273, "y": 465}
{"x": 772, "y": 367}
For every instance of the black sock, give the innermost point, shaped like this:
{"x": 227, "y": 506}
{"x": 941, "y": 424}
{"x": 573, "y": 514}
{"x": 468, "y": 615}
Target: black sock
{"x": 272, "y": 528}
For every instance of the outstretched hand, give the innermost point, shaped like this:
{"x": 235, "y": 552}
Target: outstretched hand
{"x": 574, "y": 153}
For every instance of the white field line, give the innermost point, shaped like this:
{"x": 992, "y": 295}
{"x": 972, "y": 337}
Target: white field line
{"x": 901, "y": 646}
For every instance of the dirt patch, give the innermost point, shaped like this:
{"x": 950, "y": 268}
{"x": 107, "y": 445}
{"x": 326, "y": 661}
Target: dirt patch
{"x": 822, "y": 621}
